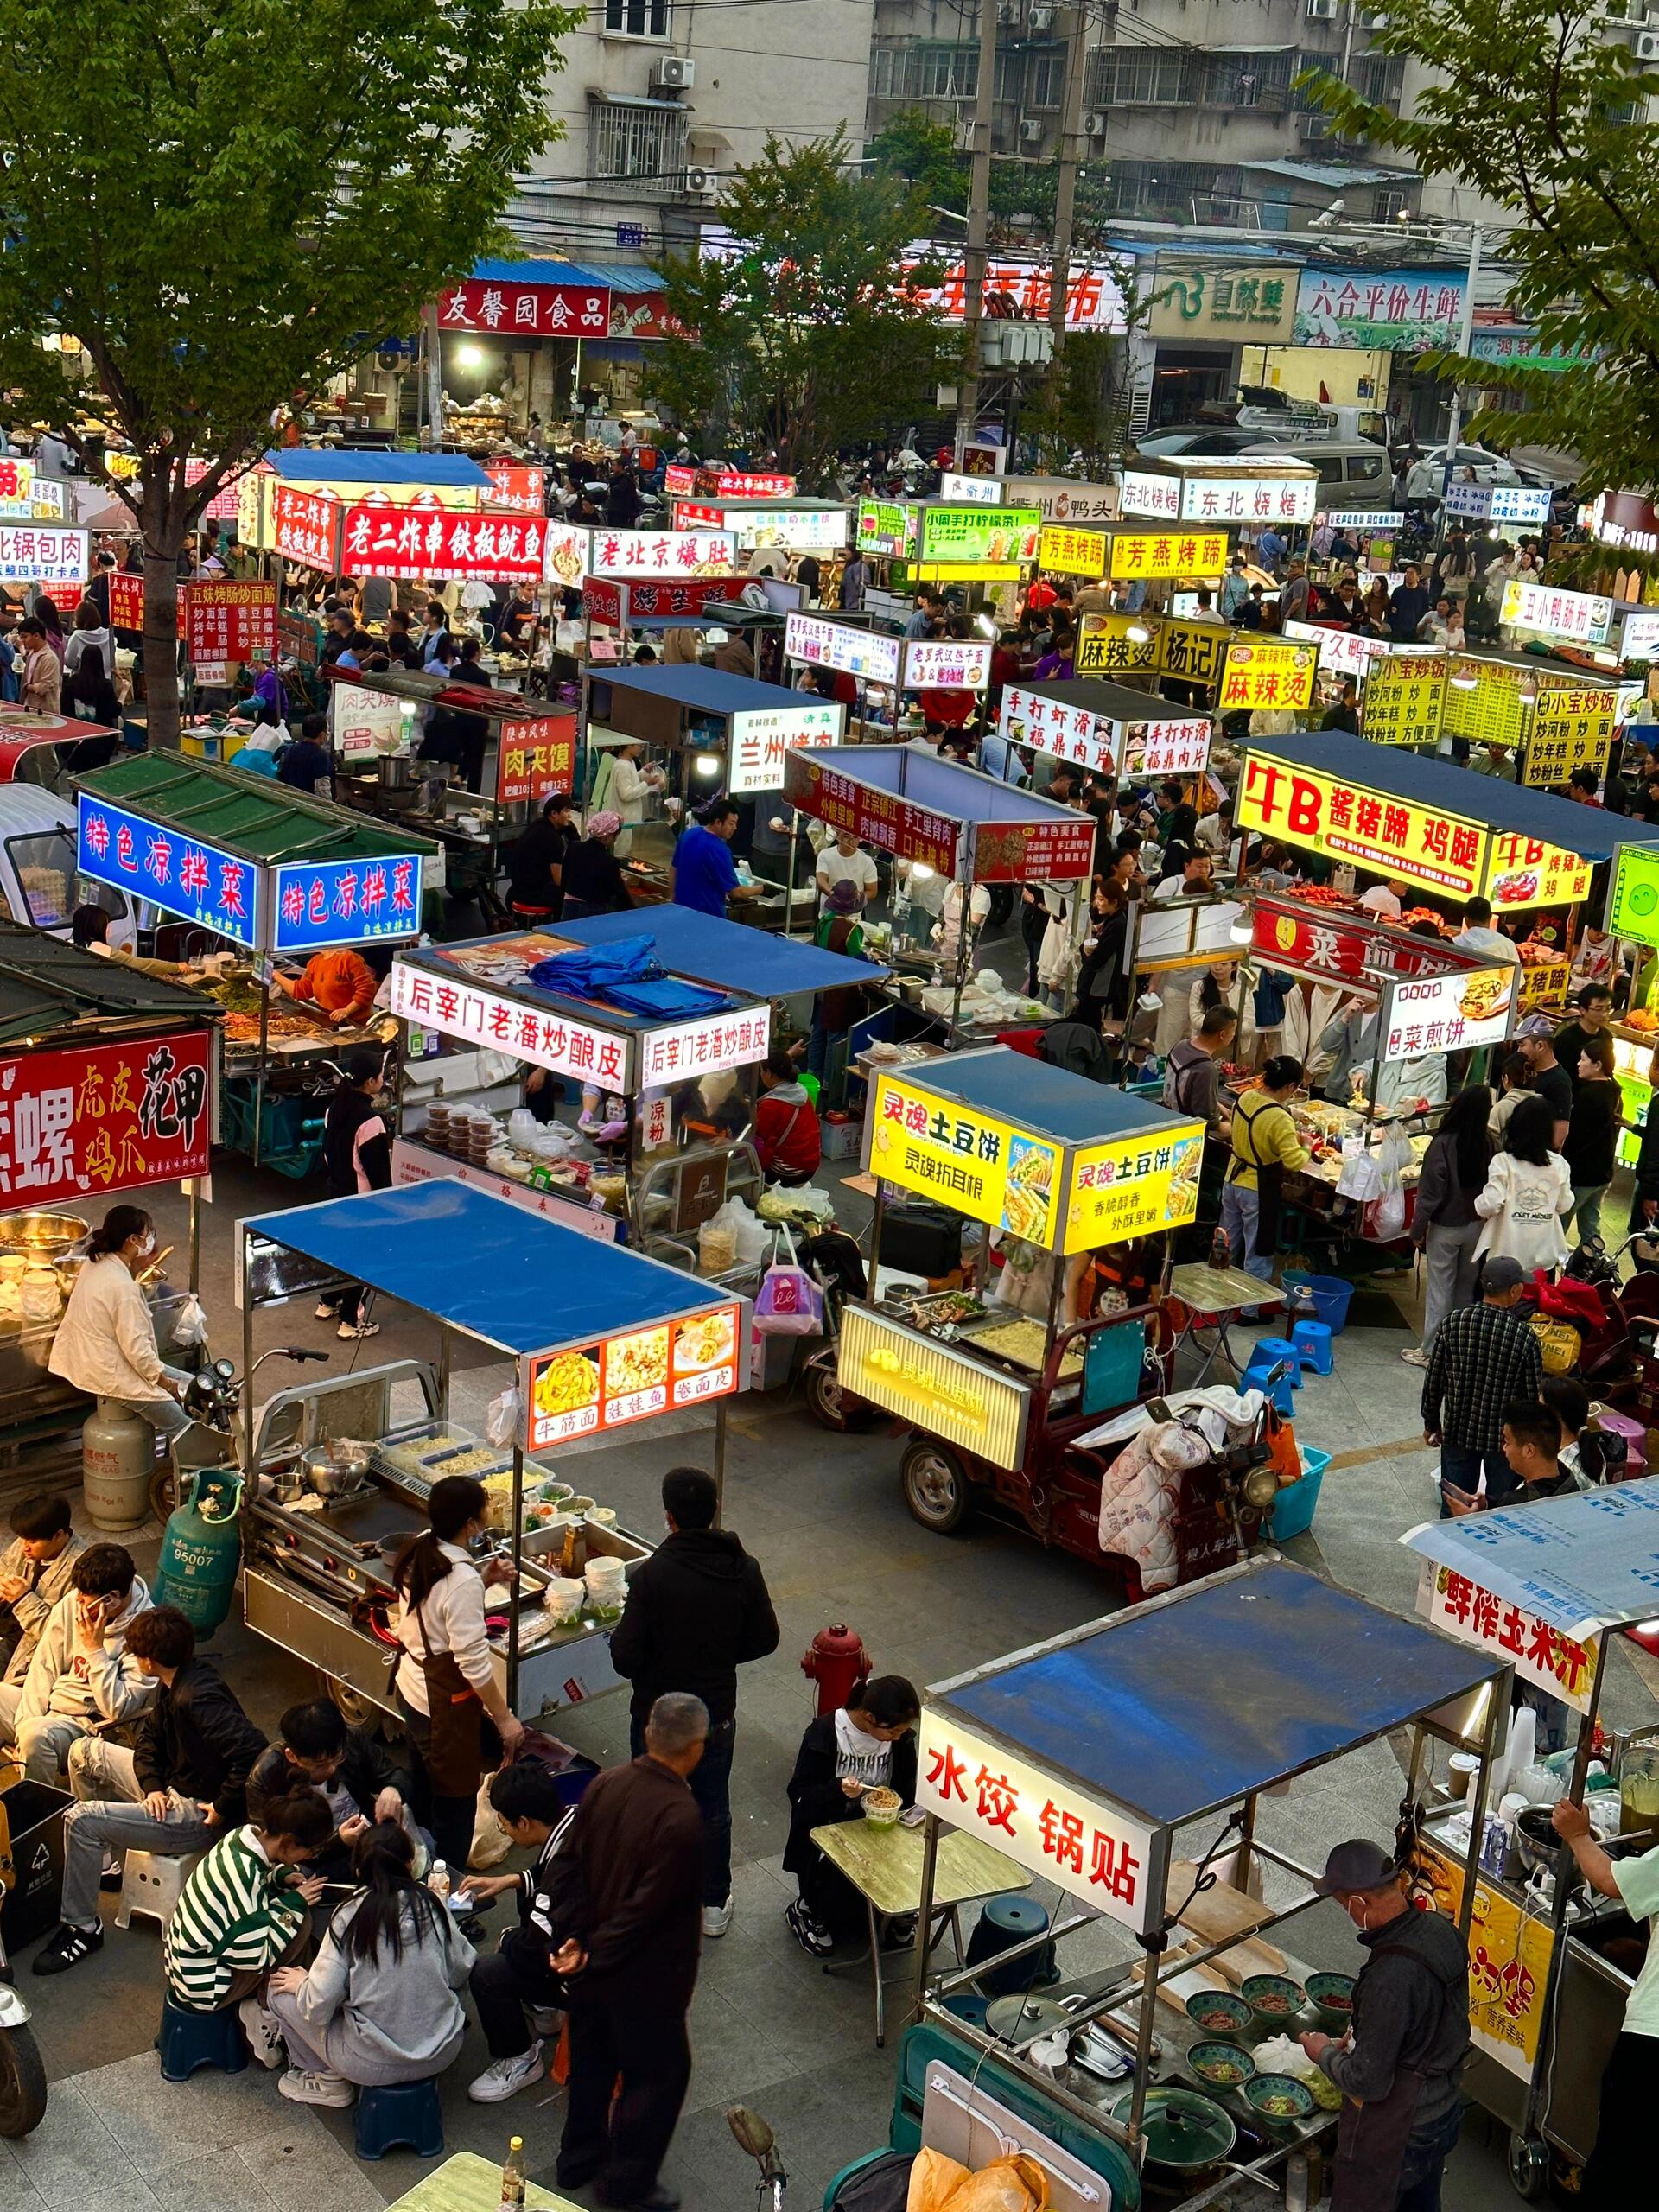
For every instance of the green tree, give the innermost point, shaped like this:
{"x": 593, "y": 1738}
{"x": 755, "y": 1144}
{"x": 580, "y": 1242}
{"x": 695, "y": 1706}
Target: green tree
{"x": 804, "y": 339}
{"x": 925, "y": 155}
{"x": 1082, "y": 407}
{"x": 226, "y": 202}
{"x": 1529, "y": 107}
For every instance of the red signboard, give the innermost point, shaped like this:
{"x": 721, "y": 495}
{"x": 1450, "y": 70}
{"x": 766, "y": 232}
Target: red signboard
{"x": 1308, "y": 944}
{"x": 225, "y": 506}
{"x": 415, "y": 542}
{"x": 513, "y": 310}
{"x": 875, "y": 817}
{"x": 726, "y": 484}
{"x": 520, "y": 489}
{"x": 1034, "y": 852}
{"x": 604, "y": 602}
{"x": 305, "y": 527}
{"x": 643, "y": 315}
{"x": 229, "y": 621}
{"x": 535, "y": 758}
{"x": 106, "y": 1117}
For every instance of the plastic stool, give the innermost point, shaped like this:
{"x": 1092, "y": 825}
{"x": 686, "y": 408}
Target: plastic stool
{"x": 406, "y": 2114}
{"x": 151, "y": 1885}
{"x": 1268, "y": 1351}
{"x": 1313, "y": 1343}
{"x": 189, "y": 2041}
{"x": 1003, "y": 1921}
{"x": 1254, "y": 1378}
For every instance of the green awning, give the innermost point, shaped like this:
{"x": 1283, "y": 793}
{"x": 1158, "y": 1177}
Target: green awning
{"x": 248, "y": 816}
{"x": 49, "y": 986}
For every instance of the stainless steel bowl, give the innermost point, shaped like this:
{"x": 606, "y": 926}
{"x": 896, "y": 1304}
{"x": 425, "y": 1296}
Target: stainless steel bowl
{"x": 333, "y": 1468}
{"x": 41, "y": 1236}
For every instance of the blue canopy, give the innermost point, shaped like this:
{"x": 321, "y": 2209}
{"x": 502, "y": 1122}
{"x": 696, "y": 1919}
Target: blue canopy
{"x": 728, "y": 956}
{"x": 1589, "y": 831}
{"x": 1172, "y": 1709}
{"x": 1012, "y": 1087}
{"x": 1582, "y": 1562}
{"x": 487, "y": 1268}
{"x": 917, "y": 773}
{"x": 301, "y": 465}
{"x": 709, "y": 690}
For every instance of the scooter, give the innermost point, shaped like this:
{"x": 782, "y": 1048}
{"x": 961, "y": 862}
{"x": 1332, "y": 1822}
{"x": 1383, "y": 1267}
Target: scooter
{"x": 214, "y": 1401}
{"x": 22, "y": 2069}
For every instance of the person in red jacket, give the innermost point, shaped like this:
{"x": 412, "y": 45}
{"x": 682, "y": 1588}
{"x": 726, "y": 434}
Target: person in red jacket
{"x": 787, "y": 1132}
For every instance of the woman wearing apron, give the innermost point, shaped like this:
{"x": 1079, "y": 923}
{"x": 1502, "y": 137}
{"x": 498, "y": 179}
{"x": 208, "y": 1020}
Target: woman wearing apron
{"x": 459, "y": 1722}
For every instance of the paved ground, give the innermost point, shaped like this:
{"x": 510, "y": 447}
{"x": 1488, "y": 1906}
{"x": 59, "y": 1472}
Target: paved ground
{"x": 825, "y": 1517}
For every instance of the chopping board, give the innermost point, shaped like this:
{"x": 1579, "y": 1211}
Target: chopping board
{"x": 1216, "y": 1914}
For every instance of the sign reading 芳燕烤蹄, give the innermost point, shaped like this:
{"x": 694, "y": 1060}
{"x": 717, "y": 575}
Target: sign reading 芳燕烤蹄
{"x": 1064, "y": 550}
{"x": 1163, "y": 555}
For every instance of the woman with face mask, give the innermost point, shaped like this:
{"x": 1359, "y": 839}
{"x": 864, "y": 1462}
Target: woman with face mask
{"x": 105, "y": 1343}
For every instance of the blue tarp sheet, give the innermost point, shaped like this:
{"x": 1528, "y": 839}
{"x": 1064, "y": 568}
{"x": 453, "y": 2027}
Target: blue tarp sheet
{"x": 1169, "y": 1710}
{"x": 1580, "y": 1563}
{"x": 1016, "y": 1088}
{"x": 485, "y": 1266}
{"x": 1589, "y": 831}
{"x": 625, "y": 973}
{"x": 728, "y": 956}
{"x": 300, "y": 465}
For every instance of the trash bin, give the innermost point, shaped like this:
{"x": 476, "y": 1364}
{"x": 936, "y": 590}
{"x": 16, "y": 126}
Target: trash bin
{"x": 31, "y": 1841}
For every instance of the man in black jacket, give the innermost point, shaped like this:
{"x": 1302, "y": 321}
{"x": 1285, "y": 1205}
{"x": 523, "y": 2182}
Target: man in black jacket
{"x": 347, "y": 1767}
{"x": 177, "y": 1791}
{"x": 697, "y": 1610}
{"x": 516, "y": 1981}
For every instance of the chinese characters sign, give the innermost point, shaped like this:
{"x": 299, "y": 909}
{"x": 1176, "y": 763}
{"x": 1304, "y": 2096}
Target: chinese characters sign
{"x": 1404, "y": 697}
{"x": 1522, "y": 872}
{"x": 182, "y": 875}
{"x": 1192, "y": 651}
{"x": 383, "y": 540}
{"x": 1571, "y": 728}
{"x": 806, "y": 529}
{"x": 986, "y": 543}
{"x": 727, "y": 483}
{"x": 942, "y": 1390}
{"x": 1065, "y": 550}
{"x": 1347, "y": 822}
{"x": 1499, "y": 502}
{"x": 761, "y": 739}
{"x": 1558, "y": 613}
{"x": 1541, "y": 1655}
{"x": 1118, "y": 644}
{"x": 1259, "y": 500}
{"x": 1252, "y": 306}
{"x": 870, "y": 655}
{"x": 947, "y": 664}
{"x": 548, "y": 1038}
{"x": 1049, "y": 851}
{"x": 367, "y": 725}
{"x": 229, "y": 621}
{"x": 1167, "y": 554}
{"x": 1396, "y": 311}
{"x": 1144, "y": 491}
{"x": 875, "y": 817}
{"x": 304, "y": 525}
{"x": 106, "y": 1117}
{"x": 1132, "y": 1186}
{"x": 1176, "y": 744}
{"x": 1509, "y": 1954}
{"x": 18, "y": 482}
{"x": 1326, "y": 950}
{"x": 317, "y": 903}
{"x": 711, "y": 1044}
{"x": 1092, "y": 1851}
{"x": 534, "y": 759}
{"x": 1267, "y": 675}
{"x": 1450, "y": 1013}
{"x": 1342, "y": 653}
{"x": 517, "y": 489}
{"x": 1067, "y": 733}
{"x": 1633, "y": 910}
{"x": 38, "y": 553}
{"x": 638, "y": 554}
{"x": 980, "y": 1166}
{"x": 888, "y": 526}
{"x": 1018, "y": 291}
{"x": 508, "y": 310}
{"x": 623, "y": 1378}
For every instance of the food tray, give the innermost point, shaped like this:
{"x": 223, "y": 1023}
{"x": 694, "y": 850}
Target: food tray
{"x": 953, "y": 1306}
{"x": 1017, "y": 1338}
{"x": 417, "y": 1456}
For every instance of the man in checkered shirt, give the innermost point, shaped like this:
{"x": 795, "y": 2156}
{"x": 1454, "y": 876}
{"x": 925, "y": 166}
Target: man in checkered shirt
{"x": 1483, "y": 1356}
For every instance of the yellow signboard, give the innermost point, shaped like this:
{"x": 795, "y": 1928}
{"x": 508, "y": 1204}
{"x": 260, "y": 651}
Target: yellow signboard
{"x": 1120, "y": 644}
{"x": 967, "y": 1401}
{"x": 1483, "y": 702}
{"x": 1193, "y": 651}
{"x": 1572, "y": 727}
{"x": 1543, "y": 989}
{"x": 1509, "y": 1954}
{"x": 1268, "y": 672}
{"x": 1403, "y": 697}
{"x": 1132, "y": 1187}
{"x": 1522, "y": 872}
{"x": 984, "y": 1168}
{"x": 1322, "y": 814}
{"x": 1169, "y": 553}
{"x": 1068, "y": 552}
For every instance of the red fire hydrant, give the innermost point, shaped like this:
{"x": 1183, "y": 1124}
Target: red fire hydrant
{"x": 837, "y": 1660}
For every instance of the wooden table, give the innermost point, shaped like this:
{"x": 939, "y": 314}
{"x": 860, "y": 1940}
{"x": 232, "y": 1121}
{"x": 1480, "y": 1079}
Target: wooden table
{"x": 469, "y": 2184}
{"x": 885, "y": 1866}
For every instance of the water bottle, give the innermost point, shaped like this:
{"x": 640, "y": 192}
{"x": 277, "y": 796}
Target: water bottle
{"x": 1220, "y": 1254}
{"x": 438, "y": 1882}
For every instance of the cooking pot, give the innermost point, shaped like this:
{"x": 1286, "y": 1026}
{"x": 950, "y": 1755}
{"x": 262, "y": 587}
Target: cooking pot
{"x": 334, "y": 1468}
{"x": 400, "y": 773}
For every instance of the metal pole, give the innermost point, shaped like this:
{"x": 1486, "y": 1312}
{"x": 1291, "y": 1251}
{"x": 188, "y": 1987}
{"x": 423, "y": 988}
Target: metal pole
{"x": 1466, "y": 340}
{"x": 1066, "y": 187}
{"x": 518, "y": 1562}
{"x": 247, "y": 1354}
{"x": 979, "y": 202}
{"x": 259, "y": 1077}
{"x": 930, "y": 1862}
{"x": 720, "y": 1464}
{"x": 195, "y": 1233}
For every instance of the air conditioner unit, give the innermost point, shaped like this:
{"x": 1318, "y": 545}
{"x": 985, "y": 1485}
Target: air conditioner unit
{"x": 1321, "y": 11}
{"x": 1040, "y": 19}
{"x": 1031, "y": 132}
{"x": 1313, "y": 130}
{"x": 673, "y": 73}
{"x": 1007, "y": 11}
{"x": 700, "y": 184}
{"x": 1094, "y": 126}
{"x": 1645, "y": 46}
{"x": 1373, "y": 19}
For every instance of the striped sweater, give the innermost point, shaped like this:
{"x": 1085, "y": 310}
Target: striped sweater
{"x": 237, "y": 1914}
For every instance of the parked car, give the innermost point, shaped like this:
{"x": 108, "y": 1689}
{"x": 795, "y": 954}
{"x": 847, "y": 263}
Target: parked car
{"x": 1473, "y": 465}
{"x": 40, "y": 884}
{"x": 1352, "y": 475}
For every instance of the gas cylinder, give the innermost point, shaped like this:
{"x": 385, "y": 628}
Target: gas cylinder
{"x": 201, "y": 1550}
{"x": 837, "y": 1660}
{"x": 117, "y": 1458}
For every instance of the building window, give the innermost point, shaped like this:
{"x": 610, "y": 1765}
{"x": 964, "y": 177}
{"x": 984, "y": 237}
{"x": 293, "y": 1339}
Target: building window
{"x": 919, "y": 71}
{"x": 636, "y": 18}
{"x": 1390, "y": 206}
{"x": 641, "y": 146}
{"x": 1045, "y": 76}
{"x": 1380, "y": 78}
{"x": 1151, "y": 77}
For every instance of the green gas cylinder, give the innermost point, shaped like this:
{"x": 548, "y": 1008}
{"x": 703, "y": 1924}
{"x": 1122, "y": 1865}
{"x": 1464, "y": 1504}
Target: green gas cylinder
{"x": 201, "y": 1550}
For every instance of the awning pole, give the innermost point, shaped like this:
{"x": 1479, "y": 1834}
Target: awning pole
{"x": 720, "y": 1465}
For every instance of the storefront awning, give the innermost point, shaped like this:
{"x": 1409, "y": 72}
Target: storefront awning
{"x": 342, "y": 465}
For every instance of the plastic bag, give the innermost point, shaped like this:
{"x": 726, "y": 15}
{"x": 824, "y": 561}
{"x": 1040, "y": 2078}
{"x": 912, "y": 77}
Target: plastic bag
{"x": 749, "y": 1231}
{"x": 933, "y": 2178}
{"x": 190, "y": 1323}
{"x": 1393, "y": 1154}
{"x": 490, "y": 1841}
{"x": 1361, "y": 1178}
{"x": 1015, "y": 2185}
{"x": 504, "y": 1424}
{"x": 788, "y": 1303}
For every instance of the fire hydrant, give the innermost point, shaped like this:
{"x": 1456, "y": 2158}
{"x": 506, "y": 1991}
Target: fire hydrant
{"x": 837, "y": 1660}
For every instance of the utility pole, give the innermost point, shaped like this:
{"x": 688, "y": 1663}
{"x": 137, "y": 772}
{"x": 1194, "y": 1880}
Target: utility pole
{"x": 1465, "y": 340}
{"x": 1065, "y": 192}
{"x": 979, "y": 208}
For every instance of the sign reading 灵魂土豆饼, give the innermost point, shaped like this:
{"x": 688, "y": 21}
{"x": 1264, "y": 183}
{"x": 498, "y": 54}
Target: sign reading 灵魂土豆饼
{"x": 1132, "y": 1186}
{"x": 972, "y": 1162}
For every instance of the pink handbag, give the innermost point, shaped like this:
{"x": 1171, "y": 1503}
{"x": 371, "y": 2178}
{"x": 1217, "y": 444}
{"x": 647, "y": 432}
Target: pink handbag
{"x": 789, "y": 1303}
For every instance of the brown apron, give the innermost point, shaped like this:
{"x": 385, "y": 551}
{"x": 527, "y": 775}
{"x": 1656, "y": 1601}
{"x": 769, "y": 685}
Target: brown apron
{"x": 457, "y": 1753}
{"x": 1372, "y": 2142}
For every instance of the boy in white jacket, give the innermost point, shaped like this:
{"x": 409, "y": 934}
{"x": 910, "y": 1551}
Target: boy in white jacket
{"x": 80, "y": 1674}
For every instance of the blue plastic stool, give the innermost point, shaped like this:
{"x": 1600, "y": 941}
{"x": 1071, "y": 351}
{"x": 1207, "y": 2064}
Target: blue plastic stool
{"x": 1254, "y": 1378}
{"x": 407, "y": 2113}
{"x": 1313, "y": 1343}
{"x": 1268, "y": 1350}
{"x": 1003, "y": 1921}
{"x": 189, "y": 2041}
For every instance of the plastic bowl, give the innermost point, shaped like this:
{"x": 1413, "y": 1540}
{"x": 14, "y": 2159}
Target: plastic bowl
{"x": 1273, "y": 1998}
{"x": 1211, "y": 2062}
{"x": 1331, "y": 1996}
{"x": 884, "y": 1815}
{"x": 1219, "y": 2013}
{"x": 1276, "y": 2086}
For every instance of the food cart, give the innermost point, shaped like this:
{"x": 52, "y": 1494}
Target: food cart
{"x": 884, "y": 666}
{"x": 1633, "y": 916}
{"x": 905, "y": 543}
{"x": 1107, "y": 729}
{"x": 597, "y": 1339}
{"x": 1003, "y": 1398}
{"x": 1098, "y": 1761}
{"x": 1544, "y": 1588}
{"x": 248, "y": 863}
{"x": 653, "y": 1167}
{"x": 30, "y": 742}
{"x": 1543, "y": 717}
{"x": 109, "y": 1083}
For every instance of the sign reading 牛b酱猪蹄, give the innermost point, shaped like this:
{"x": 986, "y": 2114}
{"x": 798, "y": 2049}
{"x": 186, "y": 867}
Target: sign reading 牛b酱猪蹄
{"x": 1161, "y": 555}
{"x": 1572, "y": 727}
{"x": 81, "y": 1124}
{"x": 318, "y": 903}
{"x": 761, "y": 739}
{"x": 1450, "y": 1013}
{"x": 1268, "y": 673}
{"x": 534, "y": 759}
{"x": 182, "y": 875}
{"x": 1092, "y": 1851}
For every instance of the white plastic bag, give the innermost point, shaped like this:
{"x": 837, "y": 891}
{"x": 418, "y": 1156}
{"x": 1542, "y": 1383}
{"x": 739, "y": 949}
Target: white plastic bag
{"x": 190, "y": 1323}
{"x": 752, "y": 1241}
{"x": 1389, "y": 1216}
{"x": 504, "y": 1422}
{"x": 1360, "y": 1180}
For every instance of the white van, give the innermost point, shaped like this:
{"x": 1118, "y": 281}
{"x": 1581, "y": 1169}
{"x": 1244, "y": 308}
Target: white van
{"x": 40, "y": 884}
{"x": 1357, "y": 474}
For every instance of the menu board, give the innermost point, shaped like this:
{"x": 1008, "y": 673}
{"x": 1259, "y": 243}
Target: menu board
{"x": 1402, "y": 699}
{"x": 1445, "y": 1014}
{"x": 888, "y": 526}
{"x": 1483, "y": 701}
{"x": 1034, "y": 852}
{"x": 1268, "y": 673}
{"x": 946, "y": 1392}
{"x": 822, "y": 642}
{"x": 1345, "y": 821}
{"x": 1169, "y": 553}
{"x": 1175, "y": 744}
{"x": 972, "y": 1163}
{"x": 1117, "y": 644}
{"x": 1192, "y": 651}
{"x": 874, "y": 817}
{"x": 976, "y": 543}
{"x": 1572, "y": 727}
{"x": 1132, "y": 1187}
{"x": 1524, "y": 872}
{"x": 1065, "y": 733}
{"x": 588, "y": 1389}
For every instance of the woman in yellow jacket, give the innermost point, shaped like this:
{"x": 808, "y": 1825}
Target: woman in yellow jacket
{"x": 1265, "y": 1144}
